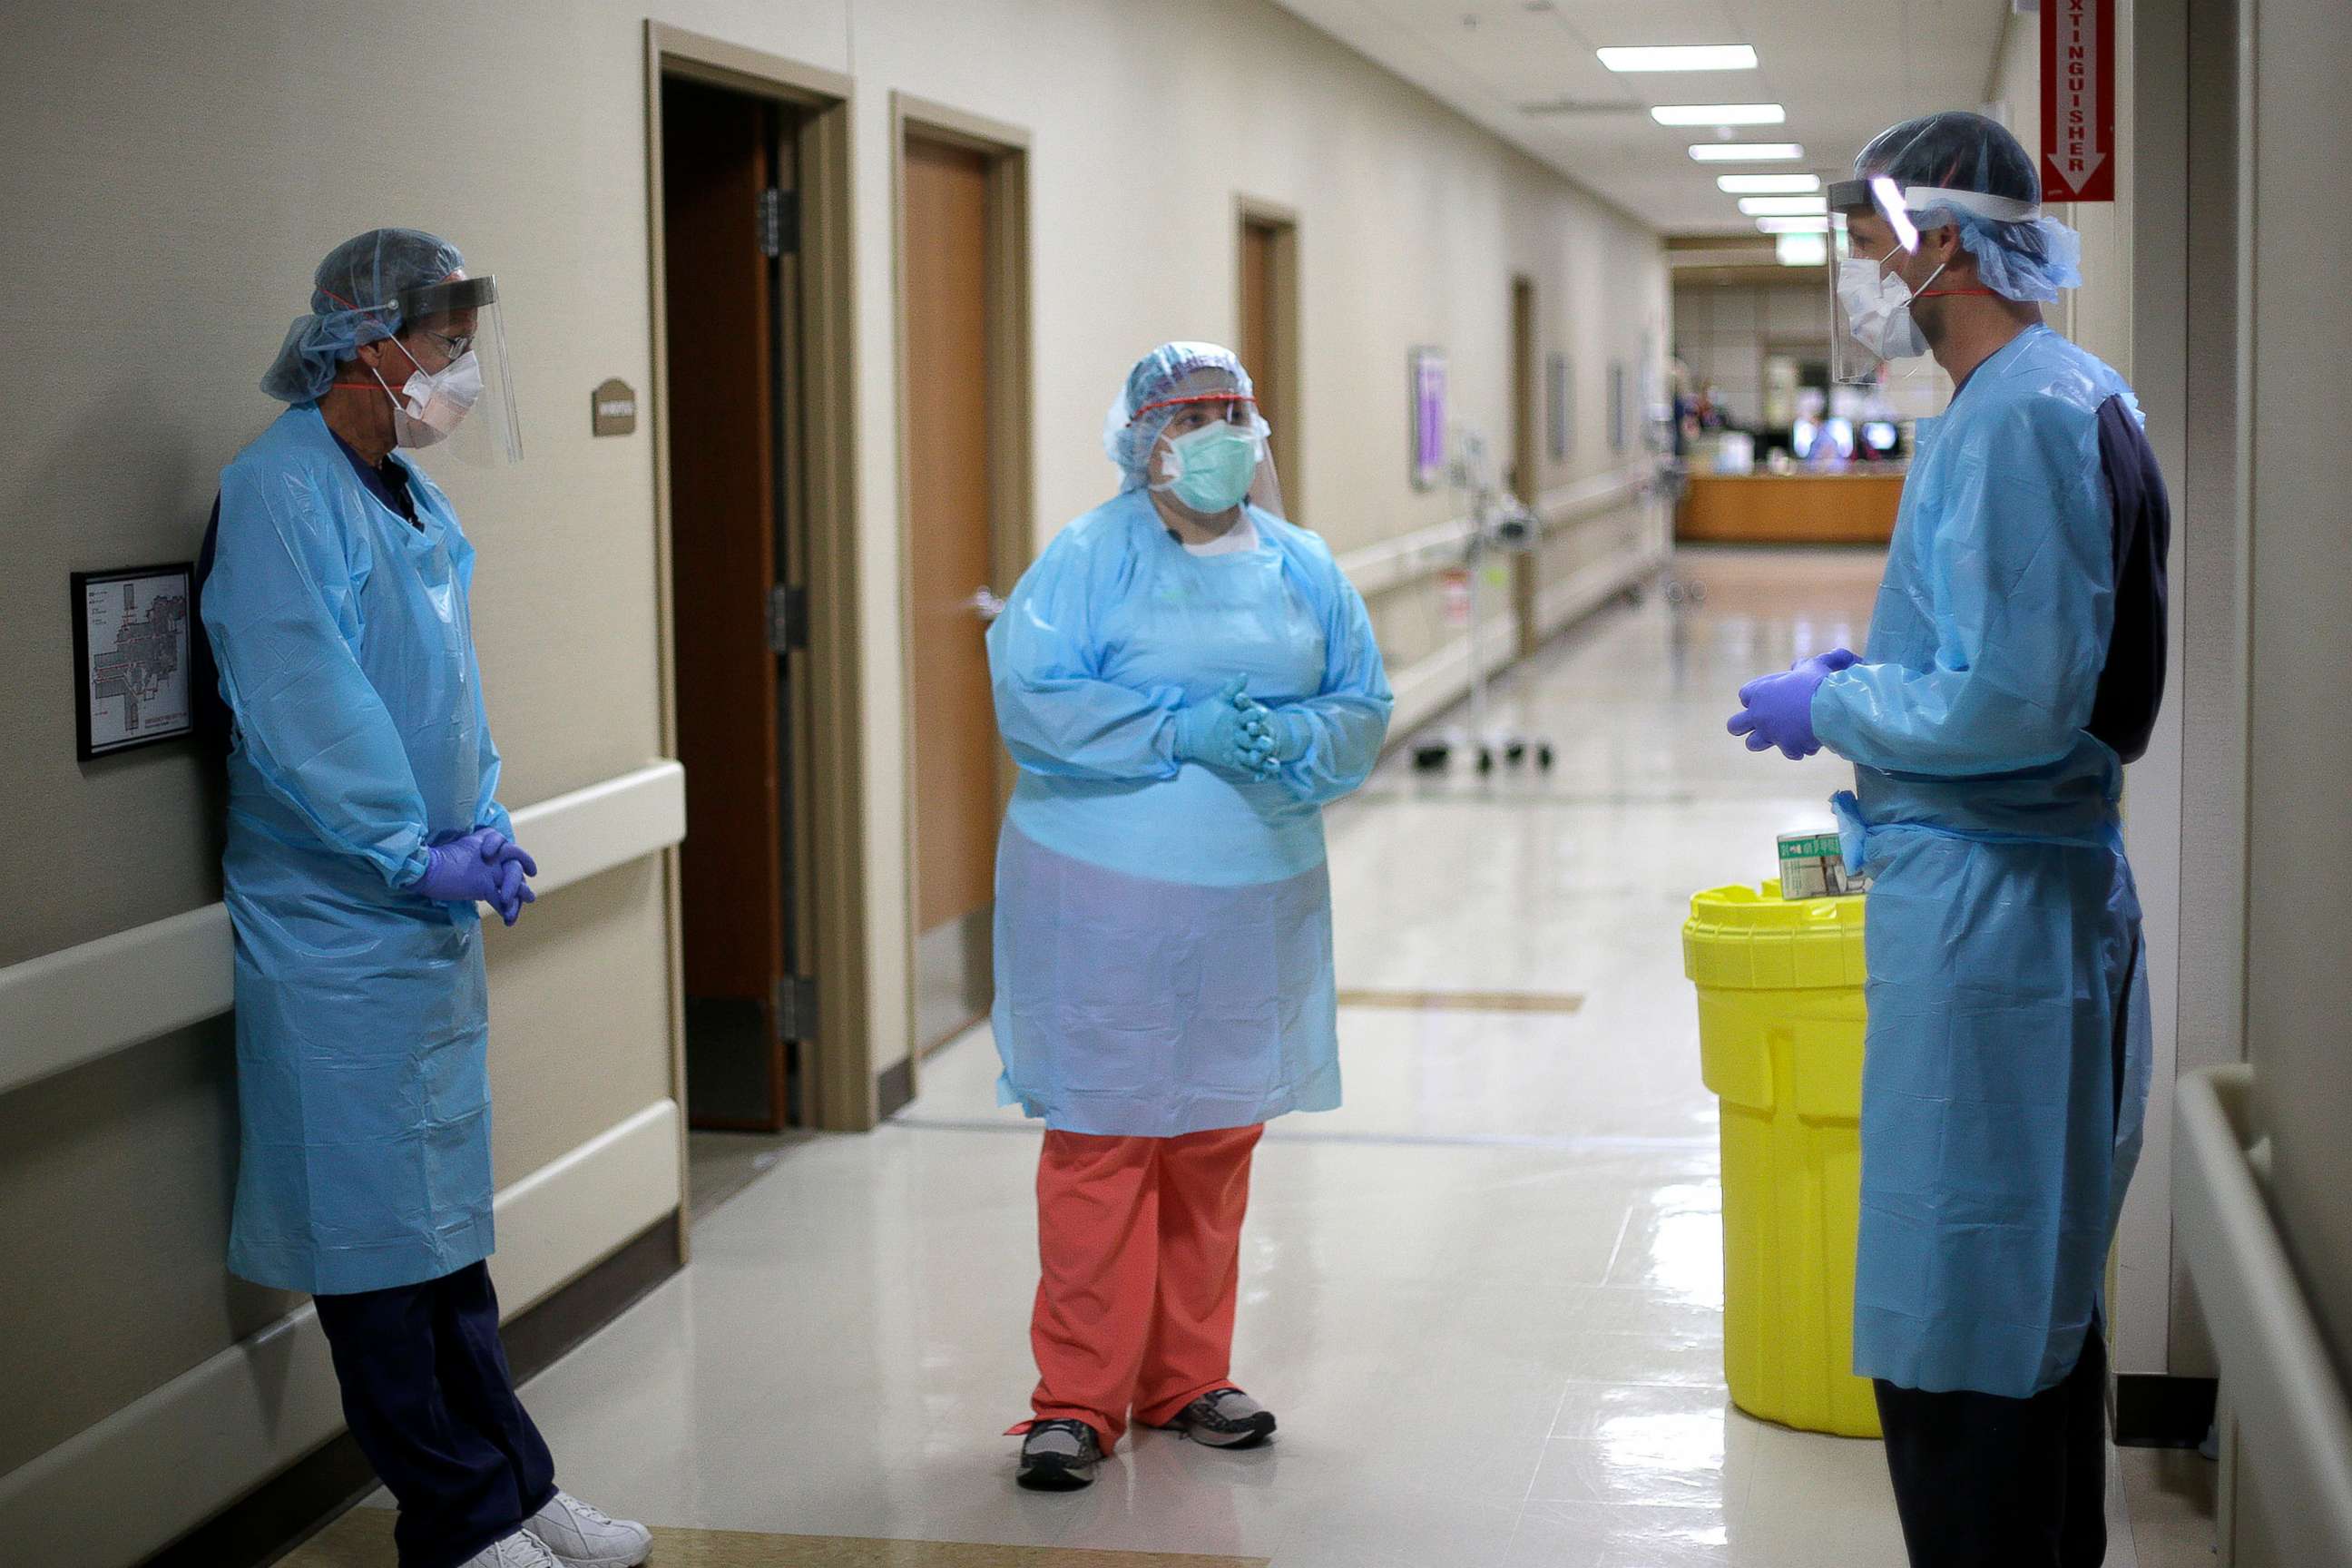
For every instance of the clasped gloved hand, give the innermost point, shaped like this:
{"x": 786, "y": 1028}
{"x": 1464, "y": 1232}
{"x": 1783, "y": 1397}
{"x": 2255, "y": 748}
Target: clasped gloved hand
{"x": 1229, "y": 731}
{"x": 1777, "y": 709}
{"x": 485, "y": 867}
{"x": 1289, "y": 736}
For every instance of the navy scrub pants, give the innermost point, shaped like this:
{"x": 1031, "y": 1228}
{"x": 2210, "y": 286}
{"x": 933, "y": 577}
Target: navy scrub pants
{"x": 428, "y": 1396}
{"x": 1986, "y": 1482}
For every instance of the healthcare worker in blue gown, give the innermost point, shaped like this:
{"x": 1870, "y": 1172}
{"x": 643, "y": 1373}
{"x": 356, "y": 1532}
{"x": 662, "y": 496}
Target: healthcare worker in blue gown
{"x": 1186, "y": 680}
{"x": 363, "y": 830}
{"x": 2016, "y": 662}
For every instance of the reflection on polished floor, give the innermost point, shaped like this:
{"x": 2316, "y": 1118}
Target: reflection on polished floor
{"x": 1485, "y": 1298}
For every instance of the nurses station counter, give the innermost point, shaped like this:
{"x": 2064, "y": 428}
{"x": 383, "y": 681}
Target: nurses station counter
{"x": 1847, "y": 508}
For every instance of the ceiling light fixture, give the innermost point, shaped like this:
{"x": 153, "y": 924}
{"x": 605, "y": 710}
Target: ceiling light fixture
{"x": 1803, "y": 249}
{"x": 1680, "y": 57}
{"x": 1746, "y": 151}
{"x": 1768, "y": 184}
{"x": 1719, "y": 114}
{"x": 1793, "y": 224}
{"x": 1783, "y": 206}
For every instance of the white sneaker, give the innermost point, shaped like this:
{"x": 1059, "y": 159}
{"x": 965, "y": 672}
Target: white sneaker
{"x": 582, "y": 1537}
{"x": 520, "y": 1549}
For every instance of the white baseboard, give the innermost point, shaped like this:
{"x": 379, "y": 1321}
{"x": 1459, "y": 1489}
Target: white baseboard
{"x": 122, "y": 1488}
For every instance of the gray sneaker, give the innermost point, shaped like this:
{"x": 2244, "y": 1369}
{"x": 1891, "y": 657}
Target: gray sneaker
{"x": 1226, "y": 1419}
{"x": 1059, "y": 1457}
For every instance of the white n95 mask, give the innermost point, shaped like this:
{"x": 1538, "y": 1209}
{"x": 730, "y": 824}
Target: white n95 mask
{"x": 1879, "y": 309}
{"x": 431, "y": 406}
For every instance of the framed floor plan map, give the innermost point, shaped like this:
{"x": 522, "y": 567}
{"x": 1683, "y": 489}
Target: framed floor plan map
{"x": 132, "y": 631}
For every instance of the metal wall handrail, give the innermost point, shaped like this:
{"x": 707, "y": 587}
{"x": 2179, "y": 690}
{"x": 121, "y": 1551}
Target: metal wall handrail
{"x": 81, "y": 1003}
{"x": 2293, "y": 1422}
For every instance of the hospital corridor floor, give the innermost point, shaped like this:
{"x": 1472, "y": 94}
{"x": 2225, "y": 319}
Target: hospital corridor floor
{"x": 1484, "y": 1299}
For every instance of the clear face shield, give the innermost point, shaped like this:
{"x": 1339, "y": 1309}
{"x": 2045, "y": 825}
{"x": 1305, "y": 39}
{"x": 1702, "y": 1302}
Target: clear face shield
{"x": 458, "y": 392}
{"x": 1213, "y": 452}
{"x": 1873, "y": 340}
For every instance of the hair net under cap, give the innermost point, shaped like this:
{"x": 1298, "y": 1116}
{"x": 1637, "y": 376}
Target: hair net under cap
{"x": 354, "y": 299}
{"x": 1128, "y": 439}
{"x": 2027, "y": 260}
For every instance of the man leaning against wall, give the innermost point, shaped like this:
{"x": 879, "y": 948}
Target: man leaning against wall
{"x": 363, "y": 830}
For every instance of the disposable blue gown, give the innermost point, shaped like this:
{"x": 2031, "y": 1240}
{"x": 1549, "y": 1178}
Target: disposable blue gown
{"x": 1164, "y": 930}
{"x": 345, "y": 645}
{"x": 2005, "y": 1074}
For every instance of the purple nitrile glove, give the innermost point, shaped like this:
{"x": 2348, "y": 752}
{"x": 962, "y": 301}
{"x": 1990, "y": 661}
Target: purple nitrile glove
{"x": 483, "y": 867}
{"x": 499, "y": 850}
{"x": 1777, "y": 709}
{"x": 514, "y": 865}
{"x": 1829, "y": 663}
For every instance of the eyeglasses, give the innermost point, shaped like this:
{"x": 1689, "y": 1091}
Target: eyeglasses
{"x": 452, "y": 348}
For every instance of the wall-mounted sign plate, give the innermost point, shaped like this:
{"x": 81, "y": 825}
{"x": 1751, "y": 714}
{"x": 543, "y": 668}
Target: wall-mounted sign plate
{"x": 612, "y": 409}
{"x": 1427, "y": 378}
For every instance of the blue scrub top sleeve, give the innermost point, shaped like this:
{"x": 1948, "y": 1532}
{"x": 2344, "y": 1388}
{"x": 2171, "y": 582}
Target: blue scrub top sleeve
{"x": 1349, "y": 718}
{"x": 2021, "y": 583}
{"x": 278, "y": 609}
{"x": 1058, "y": 717}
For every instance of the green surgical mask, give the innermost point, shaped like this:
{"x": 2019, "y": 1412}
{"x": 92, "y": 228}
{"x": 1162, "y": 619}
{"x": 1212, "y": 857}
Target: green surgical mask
{"x": 1213, "y": 467}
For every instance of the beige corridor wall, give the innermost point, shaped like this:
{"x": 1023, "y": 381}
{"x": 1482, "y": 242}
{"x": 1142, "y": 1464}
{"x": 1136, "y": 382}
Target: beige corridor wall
{"x": 2298, "y": 988}
{"x": 171, "y": 171}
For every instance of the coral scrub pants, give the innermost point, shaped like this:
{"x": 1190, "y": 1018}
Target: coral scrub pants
{"x": 1139, "y": 1243}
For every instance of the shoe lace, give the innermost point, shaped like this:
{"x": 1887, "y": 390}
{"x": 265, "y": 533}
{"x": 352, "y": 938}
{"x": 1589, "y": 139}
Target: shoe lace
{"x": 593, "y": 1514}
{"x": 526, "y": 1551}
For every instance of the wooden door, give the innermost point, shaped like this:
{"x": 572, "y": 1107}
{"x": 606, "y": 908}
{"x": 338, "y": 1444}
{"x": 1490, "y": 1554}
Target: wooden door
{"x": 722, "y": 306}
{"x": 1269, "y": 344}
{"x": 951, "y": 557}
{"x": 1257, "y": 344}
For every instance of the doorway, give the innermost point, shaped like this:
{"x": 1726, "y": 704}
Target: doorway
{"x": 727, "y": 183}
{"x": 1269, "y": 335}
{"x": 1525, "y": 479}
{"x": 752, "y": 388}
{"x": 967, "y": 518}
